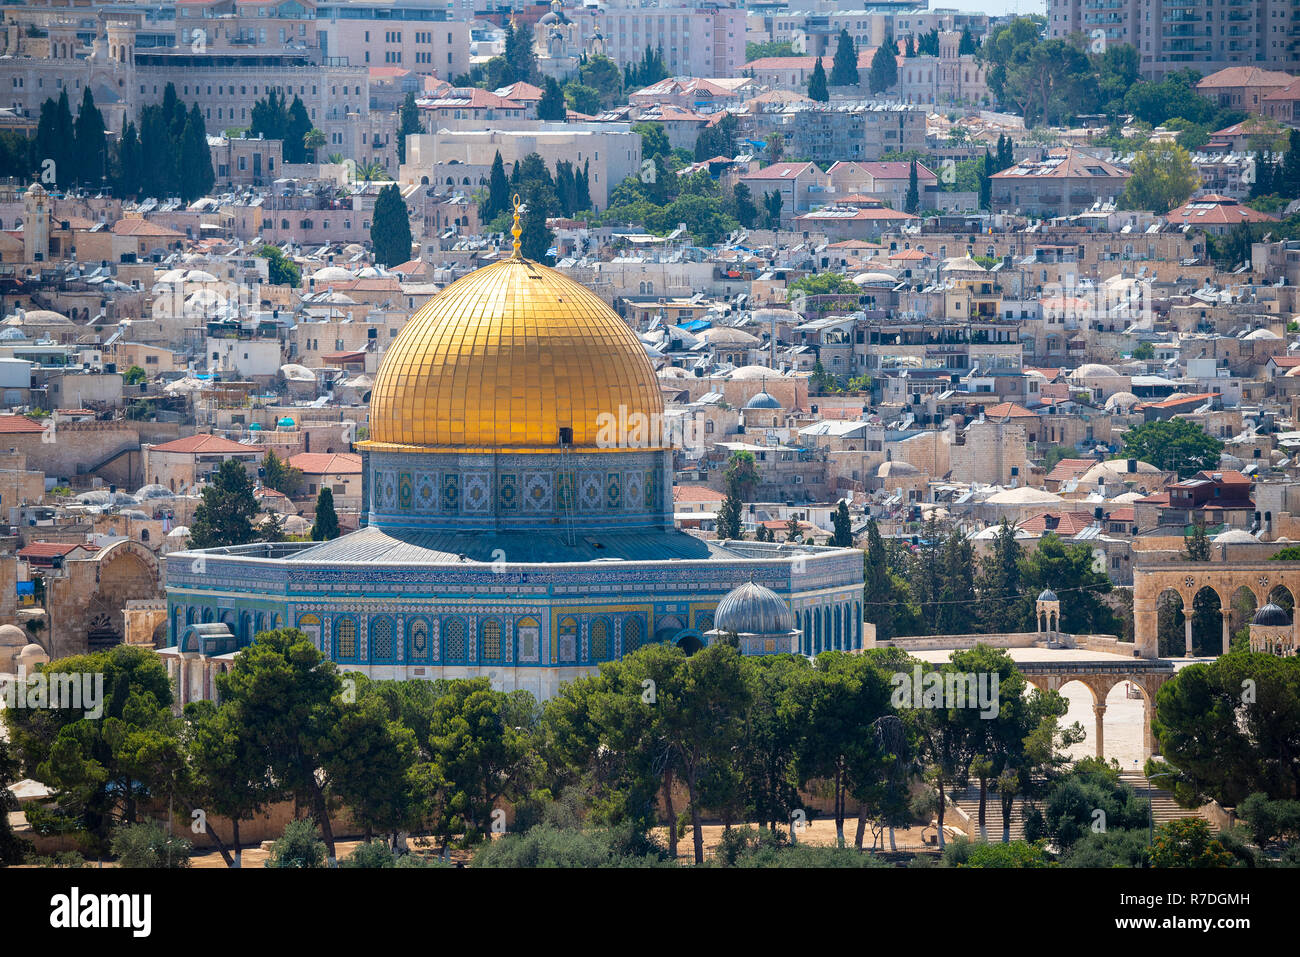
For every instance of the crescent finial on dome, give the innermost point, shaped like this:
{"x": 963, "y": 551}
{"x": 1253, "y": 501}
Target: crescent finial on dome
{"x": 517, "y": 230}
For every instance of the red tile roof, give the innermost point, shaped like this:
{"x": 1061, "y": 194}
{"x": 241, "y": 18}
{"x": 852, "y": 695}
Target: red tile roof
{"x": 1009, "y": 410}
{"x": 13, "y": 424}
{"x": 1063, "y": 523}
{"x": 1216, "y": 211}
{"x": 202, "y": 444}
{"x": 326, "y": 463}
{"x": 1067, "y": 469}
{"x": 696, "y": 493}
{"x": 48, "y": 549}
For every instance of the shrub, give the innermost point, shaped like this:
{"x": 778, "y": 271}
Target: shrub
{"x": 148, "y": 845}
{"x": 299, "y": 846}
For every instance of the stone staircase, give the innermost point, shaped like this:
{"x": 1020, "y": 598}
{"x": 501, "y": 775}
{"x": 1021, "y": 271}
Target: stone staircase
{"x": 1163, "y": 806}
{"x": 968, "y": 800}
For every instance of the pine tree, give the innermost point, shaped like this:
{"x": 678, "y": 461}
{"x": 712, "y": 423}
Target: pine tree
{"x": 92, "y": 147}
{"x": 843, "y": 537}
{"x": 817, "y": 88}
{"x": 792, "y": 532}
{"x": 1197, "y": 548}
{"x": 913, "y": 201}
{"x": 535, "y": 238}
{"x": 551, "y": 106}
{"x": 966, "y": 46}
{"x": 728, "y": 523}
{"x": 745, "y": 211}
{"x": 390, "y": 228}
{"x": 844, "y": 69}
{"x": 326, "y": 526}
{"x": 519, "y": 52}
{"x": 225, "y": 516}
{"x": 1000, "y": 606}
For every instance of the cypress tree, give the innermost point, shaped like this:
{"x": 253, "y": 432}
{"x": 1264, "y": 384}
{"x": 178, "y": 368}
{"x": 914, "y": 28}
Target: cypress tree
{"x": 843, "y": 537}
{"x": 297, "y": 126}
{"x": 884, "y": 67}
{"x": 410, "y": 125}
{"x": 877, "y": 587}
{"x": 913, "y": 201}
{"x": 128, "y": 162}
{"x": 844, "y": 69}
{"x": 551, "y": 105}
{"x": 390, "y": 228}
{"x": 92, "y": 147}
{"x": 583, "y": 188}
{"x": 195, "y": 171}
{"x": 498, "y": 197}
{"x": 326, "y": 526}
{"x": 817, "y": 88}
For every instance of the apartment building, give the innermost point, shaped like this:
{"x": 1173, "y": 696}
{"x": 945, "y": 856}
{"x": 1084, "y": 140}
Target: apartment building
{"x": 611, "y": 152}
{"x": 1175, "y": 34}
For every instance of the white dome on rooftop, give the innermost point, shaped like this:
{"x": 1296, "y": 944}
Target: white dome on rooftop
{"x": 1235, "y": 536}
{"x": 1092, "y": 369}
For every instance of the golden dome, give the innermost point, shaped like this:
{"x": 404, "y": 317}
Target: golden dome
{"x": 504, "y": 358}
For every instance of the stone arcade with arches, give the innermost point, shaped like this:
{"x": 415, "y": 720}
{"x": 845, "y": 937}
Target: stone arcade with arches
{"x": 1259, "y": 582}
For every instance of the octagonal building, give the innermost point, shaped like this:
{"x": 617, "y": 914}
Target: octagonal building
{"x": 517, "y": 516}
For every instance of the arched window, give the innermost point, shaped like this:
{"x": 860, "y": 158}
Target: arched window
{"x": 490, "y": 631}
{"x": 418, "y": 635}
{"x": 381, "y": 639}
{"x": 817, "y": 632}
{"x": 528, "y": 632}
{"x": 568, "y": 639}
{"x": 632, "y": 635}
{"x": 453, "y": 645}
{"x": 857, "y": 624}
{"x": 345, "y": 637}
{"x": 839, "y": 631}
{"x": 600, "y": 641}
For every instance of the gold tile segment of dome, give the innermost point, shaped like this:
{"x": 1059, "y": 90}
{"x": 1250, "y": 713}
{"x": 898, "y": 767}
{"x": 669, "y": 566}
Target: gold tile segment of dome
{"x": 504, "y": 358}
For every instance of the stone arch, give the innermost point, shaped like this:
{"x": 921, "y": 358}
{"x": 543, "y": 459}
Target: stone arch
{"x": 1206, "y": 632}
{"x": 1170, "y": 622}
{"x": 1284, "y": 597}
{"x": 689, "y": 641}
{"x": 1242, "y": 608}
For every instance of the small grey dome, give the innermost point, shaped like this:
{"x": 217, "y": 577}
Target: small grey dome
{"x": 1272, "y": 614}
{"x": 752, "y": 609}
{"x": 763, "y": 401}
{"x": 1047, "y": 595}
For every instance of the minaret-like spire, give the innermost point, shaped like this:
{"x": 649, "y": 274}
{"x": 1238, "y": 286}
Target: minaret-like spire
{"x": 517, "y": 230}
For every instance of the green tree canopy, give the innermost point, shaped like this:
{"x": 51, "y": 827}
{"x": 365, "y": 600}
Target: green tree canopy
{"x": 225, "y": 516}
{"x": 390, "y": 229}
{"x": 1163, "y": 177}
{"x": 844, "y": 69}
{"x": 1175, "y": 445}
